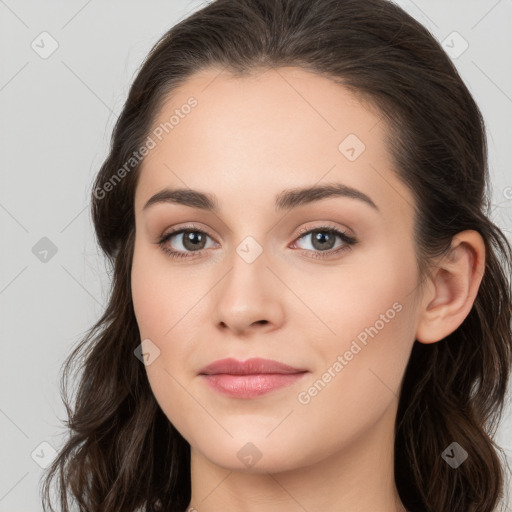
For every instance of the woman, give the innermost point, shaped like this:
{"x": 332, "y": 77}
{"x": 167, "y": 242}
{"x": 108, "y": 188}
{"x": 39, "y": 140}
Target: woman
{"x": 310, "y": 306}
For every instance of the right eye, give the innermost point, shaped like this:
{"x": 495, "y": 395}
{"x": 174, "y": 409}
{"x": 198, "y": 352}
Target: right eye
{"x": 190, "y": 240}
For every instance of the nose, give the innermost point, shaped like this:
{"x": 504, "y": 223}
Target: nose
{"x": 249, "y": 297}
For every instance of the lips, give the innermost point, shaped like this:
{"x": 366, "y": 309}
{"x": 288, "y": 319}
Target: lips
{"x": 251, "y": 378}
{"x": 253, "y": 366}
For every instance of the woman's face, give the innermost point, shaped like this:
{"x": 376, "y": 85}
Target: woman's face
{"x": 340, "y": 306}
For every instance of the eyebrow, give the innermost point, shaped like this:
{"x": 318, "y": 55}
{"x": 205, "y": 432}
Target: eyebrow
{"x": 287, "y": 199}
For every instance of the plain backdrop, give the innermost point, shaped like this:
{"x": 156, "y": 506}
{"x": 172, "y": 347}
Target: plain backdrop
{"x": 65, "y": 70}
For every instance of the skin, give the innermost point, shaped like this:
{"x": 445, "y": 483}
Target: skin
{"x": 247, "y": 140}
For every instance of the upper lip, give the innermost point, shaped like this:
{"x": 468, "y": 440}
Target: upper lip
{"x": 255, "y": 365}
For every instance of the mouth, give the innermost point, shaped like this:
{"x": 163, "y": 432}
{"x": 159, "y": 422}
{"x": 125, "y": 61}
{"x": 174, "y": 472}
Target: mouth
{"x": 251, "y": 378}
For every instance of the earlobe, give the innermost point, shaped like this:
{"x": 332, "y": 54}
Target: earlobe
{"x": 453, "y": 287}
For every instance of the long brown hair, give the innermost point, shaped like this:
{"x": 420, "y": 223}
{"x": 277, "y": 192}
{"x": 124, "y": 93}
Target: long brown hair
{"x": 123, "y": 454}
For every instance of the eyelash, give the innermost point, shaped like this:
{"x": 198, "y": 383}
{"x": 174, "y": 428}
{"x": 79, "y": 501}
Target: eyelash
{"x": 348, "y": 240}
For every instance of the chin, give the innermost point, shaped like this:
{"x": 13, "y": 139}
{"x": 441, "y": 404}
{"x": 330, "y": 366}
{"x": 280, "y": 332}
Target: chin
{"x": 253, "y": 453}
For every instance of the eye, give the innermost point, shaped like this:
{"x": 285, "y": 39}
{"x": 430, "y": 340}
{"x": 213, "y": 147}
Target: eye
{"x": 323, "y": 240}
{"x": 188, "y": 240}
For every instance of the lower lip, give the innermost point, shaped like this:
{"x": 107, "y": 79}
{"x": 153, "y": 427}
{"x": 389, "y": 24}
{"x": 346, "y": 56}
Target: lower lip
{"x": 249, "y": 386}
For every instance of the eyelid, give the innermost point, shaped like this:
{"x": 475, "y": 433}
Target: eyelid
{"x": 187, "y": 227}
{"x": 325, "y": 226}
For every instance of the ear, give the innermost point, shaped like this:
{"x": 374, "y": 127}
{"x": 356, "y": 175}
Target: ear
{"x": 453, "y": 286}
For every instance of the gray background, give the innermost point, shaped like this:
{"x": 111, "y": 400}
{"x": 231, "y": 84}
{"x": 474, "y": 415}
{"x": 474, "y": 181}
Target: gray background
{"x": 57, "y": 114}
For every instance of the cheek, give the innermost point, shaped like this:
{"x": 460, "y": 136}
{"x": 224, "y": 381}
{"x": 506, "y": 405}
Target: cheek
{"x": 368, "y": 319}
{"x": 363, "y": 363}
{"x": 158, "y": 311}
{"x": 165, "y": 307}
{"x": 352, "y": 297}
{"x": 156, "y": 303}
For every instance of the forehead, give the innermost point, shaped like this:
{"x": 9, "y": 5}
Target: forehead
{"x": 262, "y": 133}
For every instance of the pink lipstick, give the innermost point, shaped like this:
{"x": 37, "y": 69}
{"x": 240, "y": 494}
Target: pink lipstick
{"x": 251, "y": 378}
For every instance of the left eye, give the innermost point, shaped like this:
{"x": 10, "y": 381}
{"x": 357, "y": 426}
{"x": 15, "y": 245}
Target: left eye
{"x": 324, "y": 238}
